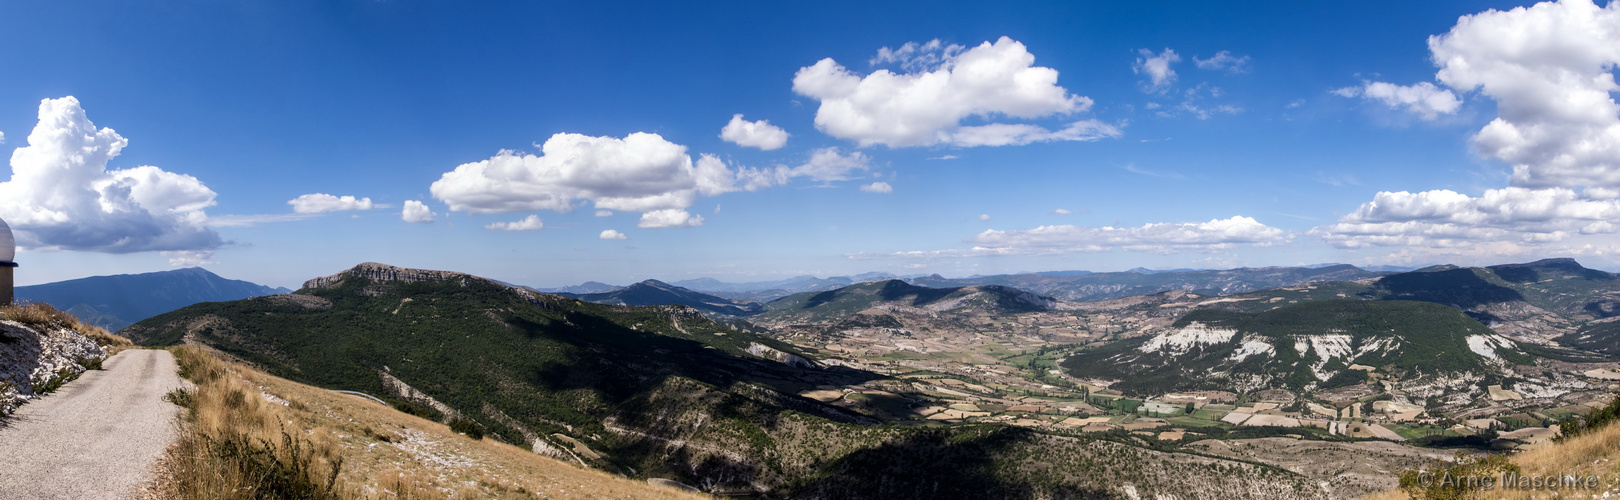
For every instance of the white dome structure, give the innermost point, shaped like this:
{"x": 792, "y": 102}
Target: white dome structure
{"x": 8, "y": 245}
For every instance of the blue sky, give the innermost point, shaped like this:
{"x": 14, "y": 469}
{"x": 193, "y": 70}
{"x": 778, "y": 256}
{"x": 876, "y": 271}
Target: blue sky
{"x": 1329, "y": 132}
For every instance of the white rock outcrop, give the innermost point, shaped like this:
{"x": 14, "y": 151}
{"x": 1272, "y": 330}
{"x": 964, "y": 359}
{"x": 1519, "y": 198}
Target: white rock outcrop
{"x": 30, "y": 357}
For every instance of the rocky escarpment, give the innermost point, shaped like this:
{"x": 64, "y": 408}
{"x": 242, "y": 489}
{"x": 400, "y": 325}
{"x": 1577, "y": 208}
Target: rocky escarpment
{"x": 384, "y": 273}
{"x": 31, "y": 358}
{"x": 378, "y": 275}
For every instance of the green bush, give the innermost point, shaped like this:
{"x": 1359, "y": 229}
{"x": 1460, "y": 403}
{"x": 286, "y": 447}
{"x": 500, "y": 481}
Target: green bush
{"x": 180, "y": 397}
{"x": 468, "y": 427}
{"x": 1596, "y": 419}
{"x": 90, "y": 363}
{"x": 62, "y": 376}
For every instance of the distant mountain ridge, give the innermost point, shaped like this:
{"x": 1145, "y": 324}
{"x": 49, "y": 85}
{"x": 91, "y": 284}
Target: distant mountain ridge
{"x": 654, "y": 292}
{"x": 114, "y": 302}
{"x": 582, "y": 288}
{"x": 1070, "y": 285}
{"x": 835, "y": 305}
{"x": 1094, "y": 287}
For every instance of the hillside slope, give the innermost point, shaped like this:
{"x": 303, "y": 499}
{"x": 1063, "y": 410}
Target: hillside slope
{"x": 384, "y": 453}
{"x": 1307, "y": 347}
{"x": 114, "y": 302}
{"x": 1534, "y": 302}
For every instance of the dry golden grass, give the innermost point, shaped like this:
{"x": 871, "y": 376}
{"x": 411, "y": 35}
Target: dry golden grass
{"x": 234, "y": 444}
{"x": 383, "y": 453}
{"x": 1595, "y": 452}
{"x": 44, "y": 315}
{"x": 109, "y": 341}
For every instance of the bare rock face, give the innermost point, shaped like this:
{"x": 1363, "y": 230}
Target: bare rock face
{"x": 771, "y": 353}
{"x": 383, "y": 272}
{"x": 30, "y": 358}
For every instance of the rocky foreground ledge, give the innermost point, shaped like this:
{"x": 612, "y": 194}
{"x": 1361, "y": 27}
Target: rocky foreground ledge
{"x": 35, "y": 358}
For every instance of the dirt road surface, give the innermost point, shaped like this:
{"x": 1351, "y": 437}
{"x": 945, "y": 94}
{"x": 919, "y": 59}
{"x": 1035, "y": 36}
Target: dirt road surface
{"x": 97, "y": 437}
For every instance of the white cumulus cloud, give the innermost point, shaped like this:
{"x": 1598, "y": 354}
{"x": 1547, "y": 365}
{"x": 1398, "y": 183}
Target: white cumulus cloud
{"x": 609, "y": 234}
{"x": 1550, "y": 68}
{"x": 878, "y": 187}
{"x": 1157, "y": 68}
{"x": 416, "y": 212}
{"x": 757, "y": 134}
{"x": 1153, "y": 237}
{"x": 1161, "y": 238}
{"x": 1444, "y": 218}
{"x": 1062, "y": 211}
{"x": 321, "y": 203}
{"x": 943, "y": 85}
{"x": 529, "y": 223}
{"x": 824, "y": 165}
{"x": 1423, "y": 98}
{"x": 984, "y": 217}
{"x": 639, "y": 172}
{"x": 62, "y": 196}
{"x": 671, "y": 217}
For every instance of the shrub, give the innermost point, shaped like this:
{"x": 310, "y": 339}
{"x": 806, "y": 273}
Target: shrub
{"x": 179, "y": 396}
{"x": 468, "y": 427}
{"x": 62, "y": 376}
{"x": 90, "y": 363}
{"x": 1595, "y": 419}
{"x": 409, "y": 409}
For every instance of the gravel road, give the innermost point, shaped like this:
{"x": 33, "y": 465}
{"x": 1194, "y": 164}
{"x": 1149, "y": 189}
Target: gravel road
{"x": 96, "y": 437}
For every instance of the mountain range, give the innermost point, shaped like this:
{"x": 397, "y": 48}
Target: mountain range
{"x": 1091, "y": 287}
{"x": 654, "y": 292}
{"x": 894, "y": 294}
{"x": 114, "y": 302}
{"x": 664, "y": 392}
